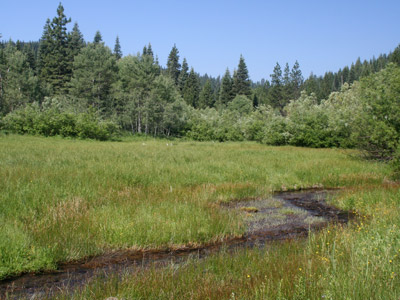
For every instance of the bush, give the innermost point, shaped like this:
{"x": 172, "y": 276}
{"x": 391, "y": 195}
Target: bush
{"x": 51, "y": 121}
{"x": 377, "y": 130}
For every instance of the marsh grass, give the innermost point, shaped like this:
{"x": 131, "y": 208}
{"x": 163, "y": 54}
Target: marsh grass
{"x": 356, "y": 261}
{"x": 62, "y": 200}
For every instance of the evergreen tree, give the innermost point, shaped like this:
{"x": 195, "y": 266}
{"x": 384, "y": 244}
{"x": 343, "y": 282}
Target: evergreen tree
{"x": 206, "y": 98}
{"x": 345, "y": 74}
{"x": 150, "y": 50}
{"x": 395, "y": 57}
{"x": 311, "y": 85}
{"x": 276, "y": 90}
{"x": 226, "y": 92}
{"x": 241, "y": 81}
{"x": 75, "y": 44}
{"x": 191, "y": 89}
{"x": 147, "y": 50}
{"x": 183, "y": 75}
{"x": 352, "y": 74}
{"x": 53, "y": 54}
{"x": 173, "y": 65}
{"x": 276, "y": 76}
{"x": 30, "y": 56}
{"x": 286, "y": 84}
{"x": 117, "y": 49}
{"x": 296, "y": 79}
{"x": 286, "y": 75}
{"x": 97, "y": 38}
{"x": 366, "y": 69}
{"x": 358, "y": 69}
{"x": 75, "y": 41}
{"x": 326, "y": 86}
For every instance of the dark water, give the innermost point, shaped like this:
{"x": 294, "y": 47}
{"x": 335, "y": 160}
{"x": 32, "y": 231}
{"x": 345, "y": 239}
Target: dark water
{"x": 285, "y": 215}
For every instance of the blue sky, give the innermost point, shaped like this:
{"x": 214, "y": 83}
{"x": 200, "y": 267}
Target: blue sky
{"x": 321, "y": 35}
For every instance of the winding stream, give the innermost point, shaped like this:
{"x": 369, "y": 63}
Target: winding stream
{"x": 284, "y": 215}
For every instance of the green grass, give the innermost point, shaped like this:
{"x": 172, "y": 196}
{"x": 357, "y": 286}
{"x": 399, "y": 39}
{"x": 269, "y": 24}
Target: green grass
{"x": 62, "y": 200}
{"x": 357, "y": 261}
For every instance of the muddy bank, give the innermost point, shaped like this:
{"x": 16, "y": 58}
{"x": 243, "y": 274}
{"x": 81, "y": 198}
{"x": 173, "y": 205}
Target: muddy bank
{"x": 282, "y": 216}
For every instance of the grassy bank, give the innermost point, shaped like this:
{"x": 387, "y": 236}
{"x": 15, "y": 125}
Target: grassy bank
{"x": 66, "y": 199}
{"x": 358, "y": 261}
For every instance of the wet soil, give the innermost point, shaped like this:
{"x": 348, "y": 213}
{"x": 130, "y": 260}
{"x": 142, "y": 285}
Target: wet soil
{"x": 285, "y": 215}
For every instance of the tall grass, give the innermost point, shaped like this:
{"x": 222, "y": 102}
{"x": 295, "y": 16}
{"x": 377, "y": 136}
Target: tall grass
{"x": 66, "y": 199}
{"x": 358, "y": 261}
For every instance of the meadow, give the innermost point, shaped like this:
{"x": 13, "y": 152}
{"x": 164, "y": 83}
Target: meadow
{"x": 63, "y": 200}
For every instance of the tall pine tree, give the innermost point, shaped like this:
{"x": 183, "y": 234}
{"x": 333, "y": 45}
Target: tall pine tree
{"x": 226, "y": 93}
{"x": 191, "y": 89}
{"x": 75, "y": 41}
{"x": 276, "y": 89}
{"x": 54, "y": 61}
{"x": 97, "y": 38}
{"x": 241, "y": 81}
{"x": 173, "y": 65}
{"x": 117, "y": 49}
{"x": 296, "y": 79}
{"x": 183, "y": 75}
{"x": 287, "y": 87}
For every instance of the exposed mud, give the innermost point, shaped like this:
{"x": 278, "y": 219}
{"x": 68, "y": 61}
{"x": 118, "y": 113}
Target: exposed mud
{"x": 283, "y": 216}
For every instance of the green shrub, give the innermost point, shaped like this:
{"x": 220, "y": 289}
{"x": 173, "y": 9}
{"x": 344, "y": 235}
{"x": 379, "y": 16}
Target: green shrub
{"x": 378, "y": 128}
{"x": 51, "y": 121}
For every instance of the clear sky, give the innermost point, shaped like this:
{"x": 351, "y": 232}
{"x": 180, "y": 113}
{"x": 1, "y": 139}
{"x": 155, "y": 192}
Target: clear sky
{"x": 321, "y": 35}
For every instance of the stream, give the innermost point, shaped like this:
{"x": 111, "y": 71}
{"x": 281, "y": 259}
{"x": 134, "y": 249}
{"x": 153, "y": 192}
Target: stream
{"x": 285, "y": 215}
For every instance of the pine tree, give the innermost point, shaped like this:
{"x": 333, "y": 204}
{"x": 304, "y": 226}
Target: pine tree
{"x": 241, "y": 81}
{"x": 75, "y": 41}
{"x": 226, "y": 93}
{"x": 53, "y": 54}
{"x": 366, "y": 69}
{"x": 297, "y": 80}
{"x": 147, "y": 50}
{"x": 183, "y": 75}
{"x": 395, "y": 57}
{"x": 326, "y": 86}
{"x": 206, "y": 98}
{"x": 358, "y": 69}
{"x": 276, "y": 90}
{"x": 287, "y": 86}
{"x": 150, "y": 50}
{"x": 286, "y": 72}
{"x": 345, "y": 74}
{"x": 173, "y": 65}
{"x": 311, "y": 85}
{"x": 97, "y": 38}
{"x": 75, "y": 45}
{"x": 30, "y": 56}
{"x": 191, "y": 89}
{"x": 352, "y": 73}
{"x": 117, "y": 49}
